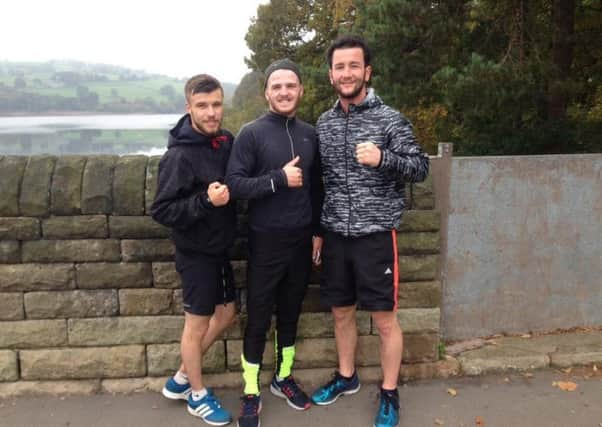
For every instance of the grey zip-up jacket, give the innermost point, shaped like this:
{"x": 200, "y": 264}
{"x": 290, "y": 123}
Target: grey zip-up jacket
{"x": 360, "y": 199}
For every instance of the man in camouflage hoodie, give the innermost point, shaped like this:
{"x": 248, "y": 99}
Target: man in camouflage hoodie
{"x": 368, "y": 152}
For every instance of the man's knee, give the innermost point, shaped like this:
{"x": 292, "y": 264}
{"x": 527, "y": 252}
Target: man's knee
{"x": 343, "y": 315}
{"x": 386, "y": 323}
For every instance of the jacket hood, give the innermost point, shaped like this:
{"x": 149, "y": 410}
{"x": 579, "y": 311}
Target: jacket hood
{"x": 184, "y": 133}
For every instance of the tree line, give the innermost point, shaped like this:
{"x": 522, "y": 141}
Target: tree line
{"x": 492, "y": 76}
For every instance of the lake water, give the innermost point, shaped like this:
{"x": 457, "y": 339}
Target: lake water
{"x": 90, "y": 134}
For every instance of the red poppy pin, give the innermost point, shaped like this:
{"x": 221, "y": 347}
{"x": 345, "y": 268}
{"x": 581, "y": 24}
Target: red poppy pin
{"x": 217, "y": 140}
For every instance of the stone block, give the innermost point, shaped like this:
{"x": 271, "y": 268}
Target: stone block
{"x": 35, "y": 189}
{"x": 418, "y": 267}
{"x": 417, "y": 221}
{"x": 70, "y": 304}
{"x": 11, "y": 306}
{"x": 430, "y": 370}
{"x": 19, "y": 228}
{"x": 417, "y": 347}
{"x": 239, "y": 268}
{"x": 36, "y": 277}
{"x": 423, "y": 197}
{"x": 33, "y": 334}
{"x": 312, "y": 302}
{"x": 419, "y": 294}
{"x": 71, "y": 250}
{"x": 165, "y": 275}
{"x": 81, "y": 363}
{"x": 321, "y": 325}
{"x": 420, "y": 347}
{"x": 164, "y": 359}
{"x": 136, "y": 227}
{"x": 66, "y": 187}
{"x": 101, "y": 275}
{"x": 10, "y": 252}
{"x": 128, "y": 185}
{"x": 411, "y": 243}
{"x": 145, "y": 302}
{"x": 147, "y": 250}
{"x": 240, "y": 250}
{"x": 178, "y": 301}
{"x": 75, "y": 227}
{"x": 579, "y": 355}
{"x": 12, "y": 169}
{"x": 50, "y": 389}
{"x": 418, "y": 320}
{"x": 368, "y": 350}
{"x": 150, "y": 189}
{"x": 234, "y": 350}
{"x": 97, "y": 185}
{"x": 125, "y": 330}
{"x": 491, "y": 359}
{"x": 9, "y": 370}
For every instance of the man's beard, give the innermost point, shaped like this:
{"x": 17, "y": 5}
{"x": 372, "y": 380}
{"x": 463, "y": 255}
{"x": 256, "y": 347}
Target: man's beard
{"x": 356, "y": 91}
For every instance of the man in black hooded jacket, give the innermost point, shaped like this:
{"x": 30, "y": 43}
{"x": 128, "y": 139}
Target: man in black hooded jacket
{"x": 275, "y": 166}
{"x": 195, "y": 203}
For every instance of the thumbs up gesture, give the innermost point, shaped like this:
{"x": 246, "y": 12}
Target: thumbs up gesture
{"x": 294, "y": 174}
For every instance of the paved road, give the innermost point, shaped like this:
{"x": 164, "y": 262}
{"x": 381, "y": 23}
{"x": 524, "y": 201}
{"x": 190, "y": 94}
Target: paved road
{"x": 500, "y": 401}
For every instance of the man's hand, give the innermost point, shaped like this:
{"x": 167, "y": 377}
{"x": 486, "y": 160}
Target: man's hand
{"x": 368, "y": 154}
{"x": 316, "y": 253}
{"x": 294, "y": 174}
{"x": 218, "y": 194}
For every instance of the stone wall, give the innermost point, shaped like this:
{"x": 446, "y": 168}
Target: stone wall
{"x": 88, "y": 289}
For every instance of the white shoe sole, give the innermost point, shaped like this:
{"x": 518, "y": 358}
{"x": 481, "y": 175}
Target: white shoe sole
{"x": 278, "y": 393}
{"x": 345, "y": 393}
{"x": 175, "y": 396}
{"x": 213, "y": 423}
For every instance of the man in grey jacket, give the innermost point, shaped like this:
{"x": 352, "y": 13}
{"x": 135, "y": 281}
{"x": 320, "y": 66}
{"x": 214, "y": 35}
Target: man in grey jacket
{"x": 368, "y": 152}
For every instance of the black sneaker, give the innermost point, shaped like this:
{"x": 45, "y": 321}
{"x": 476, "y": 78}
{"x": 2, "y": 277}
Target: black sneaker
{"x": 289, "y": 390}
{"x": 249, "y": 411}
{"x": 336, "y": 387}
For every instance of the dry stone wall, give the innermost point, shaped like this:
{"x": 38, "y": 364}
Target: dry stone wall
{"x": 88, "y": 289}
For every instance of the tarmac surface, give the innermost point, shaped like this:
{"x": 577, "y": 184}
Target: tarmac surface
{"x": 551, "y": 380}
{"x": 518, "y": 399}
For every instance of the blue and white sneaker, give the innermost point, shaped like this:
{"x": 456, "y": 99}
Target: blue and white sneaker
{"x": 336, "y": 387}
{"x": 209, "y": 410}
{"x": 388, "y": 411}
{"x": 173, "y": 390}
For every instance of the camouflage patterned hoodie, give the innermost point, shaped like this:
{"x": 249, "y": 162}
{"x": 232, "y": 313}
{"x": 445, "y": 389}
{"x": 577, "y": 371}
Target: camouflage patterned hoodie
{"x": 361, "y": 199}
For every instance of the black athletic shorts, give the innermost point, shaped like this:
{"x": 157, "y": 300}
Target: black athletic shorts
{"x": 360, "y": 270}
{"x": 206, "y": 281}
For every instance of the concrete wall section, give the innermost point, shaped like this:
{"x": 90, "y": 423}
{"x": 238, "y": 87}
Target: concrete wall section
{"x": 524, "y": 250}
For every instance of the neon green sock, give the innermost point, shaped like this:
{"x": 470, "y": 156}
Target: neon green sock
{"x": 250, "y": 375}
{"x": 288, "y": 357}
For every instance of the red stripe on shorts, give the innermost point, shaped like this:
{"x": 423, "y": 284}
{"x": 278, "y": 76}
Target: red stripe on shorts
{"x": 395, "y": 269}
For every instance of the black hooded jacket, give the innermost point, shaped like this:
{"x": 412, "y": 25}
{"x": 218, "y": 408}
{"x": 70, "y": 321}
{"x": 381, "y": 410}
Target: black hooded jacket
{"x": 255, "y": 173}
{"x": 191, "y": 163}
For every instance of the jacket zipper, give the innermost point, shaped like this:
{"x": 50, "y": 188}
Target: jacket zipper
{"x": 224, "y": 284}
{"x": 290, "y": 138}
{"x": 347, "y": 175}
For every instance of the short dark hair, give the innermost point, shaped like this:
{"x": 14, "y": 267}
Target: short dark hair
{"x": 349, "y": 41}
{"x": 201, "y": 83}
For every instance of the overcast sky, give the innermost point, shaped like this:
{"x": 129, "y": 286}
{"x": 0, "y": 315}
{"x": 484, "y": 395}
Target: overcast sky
{"x": 177, "y": 38}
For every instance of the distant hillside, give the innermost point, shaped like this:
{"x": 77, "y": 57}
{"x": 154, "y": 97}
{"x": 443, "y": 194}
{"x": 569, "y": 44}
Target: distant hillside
{"x": 71, "y": 86}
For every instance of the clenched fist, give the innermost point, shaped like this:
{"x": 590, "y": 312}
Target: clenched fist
{"x": 368, "y": 154}
{"x": 218, "y": 194}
